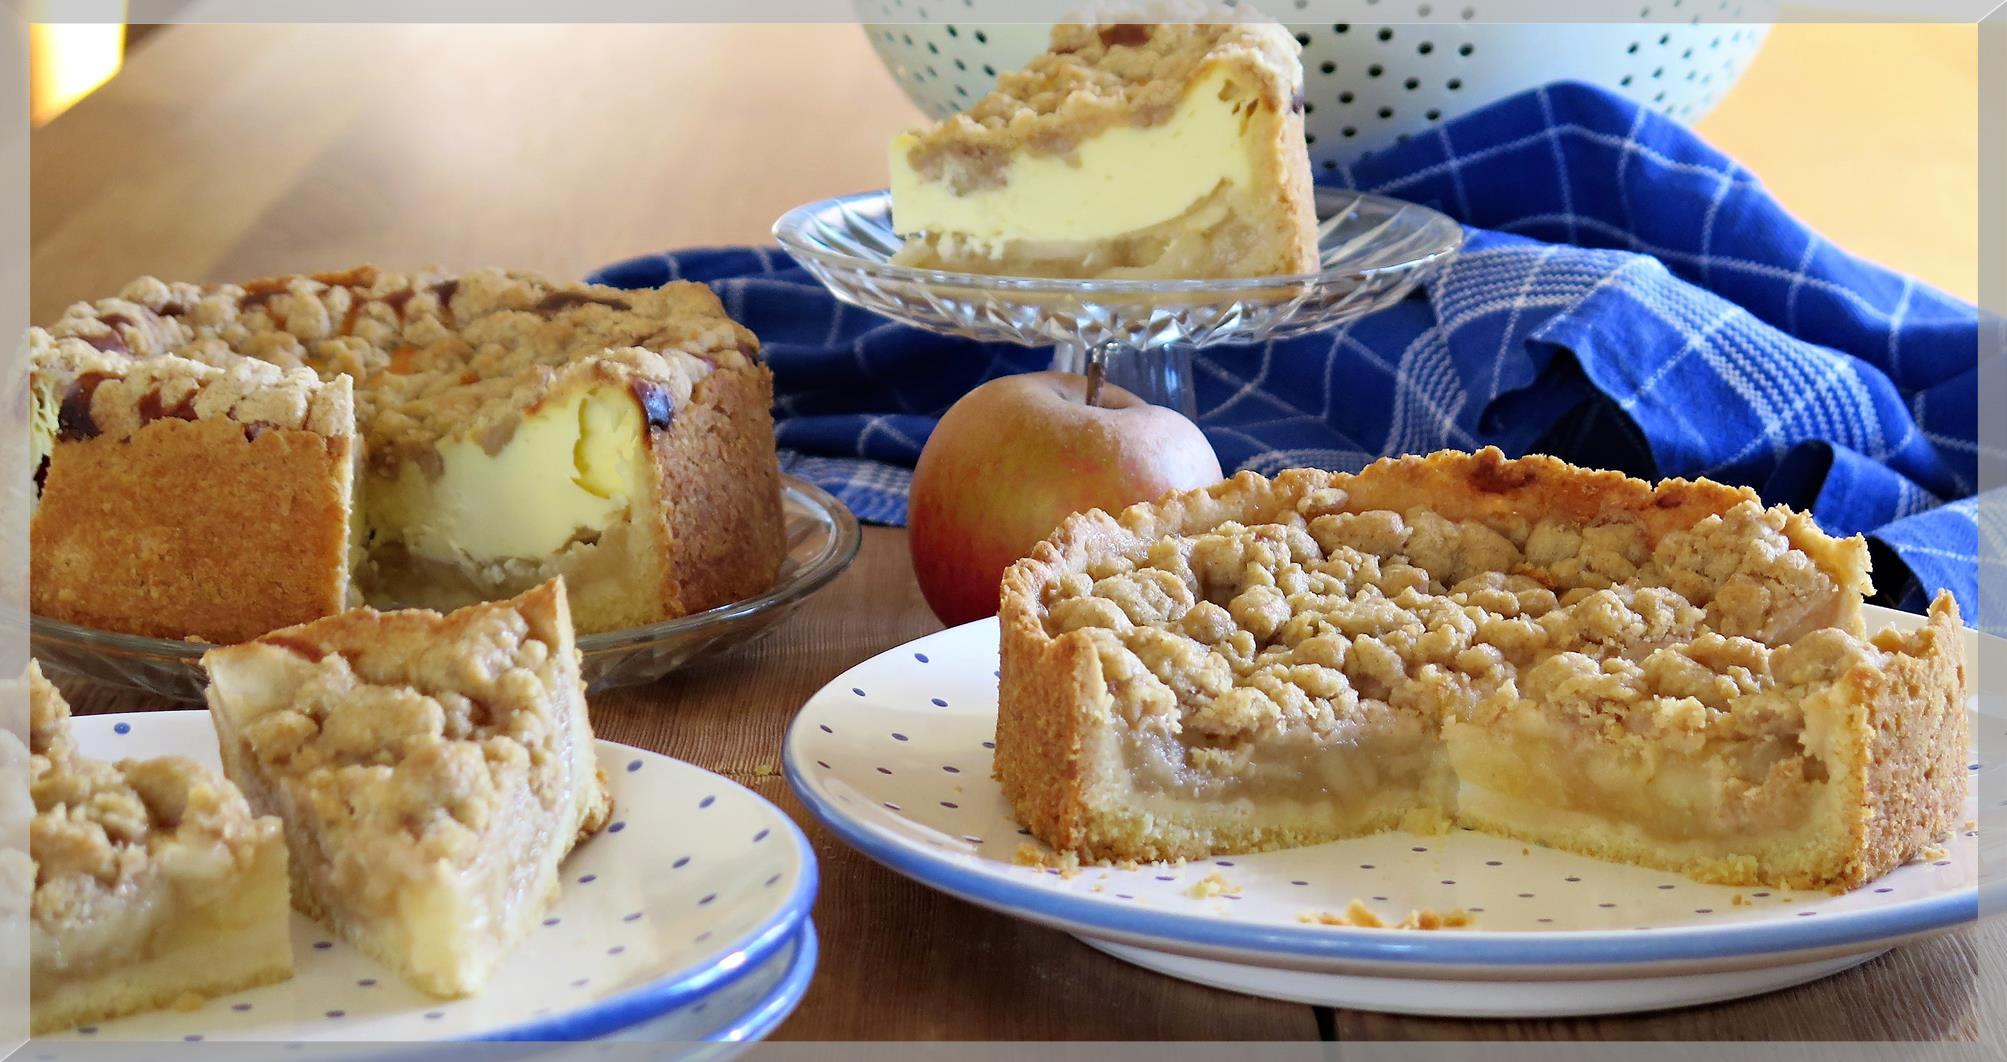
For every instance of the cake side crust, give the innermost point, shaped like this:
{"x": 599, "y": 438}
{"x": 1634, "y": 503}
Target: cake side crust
{"x": 1917, "y": 736}
{"x": 118, "y": 545}
{"x": 1049, "y": 695}
{"x": 720, "y": 482}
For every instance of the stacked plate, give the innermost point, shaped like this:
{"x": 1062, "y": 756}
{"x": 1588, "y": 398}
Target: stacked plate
{"x": 895, "y": 757}
{"x": 685, "y": 920}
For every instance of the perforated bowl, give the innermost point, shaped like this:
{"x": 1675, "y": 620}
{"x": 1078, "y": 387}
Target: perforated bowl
{"x": 1370, "y": 85}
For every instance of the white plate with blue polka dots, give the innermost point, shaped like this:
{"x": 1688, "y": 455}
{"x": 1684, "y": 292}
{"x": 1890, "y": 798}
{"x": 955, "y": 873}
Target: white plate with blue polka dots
{"x": 682, "y": 920}
{"x": 895, "y": 755}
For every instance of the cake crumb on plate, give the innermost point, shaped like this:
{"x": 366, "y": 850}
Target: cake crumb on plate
{"x": 1213, "y": 885}
{"x": 1038, "y": 858}
{"x": 1357, "y": 915}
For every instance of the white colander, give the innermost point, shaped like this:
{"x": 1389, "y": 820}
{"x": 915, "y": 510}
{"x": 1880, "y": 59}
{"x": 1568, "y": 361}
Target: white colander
{"x": 1370, "y": 85}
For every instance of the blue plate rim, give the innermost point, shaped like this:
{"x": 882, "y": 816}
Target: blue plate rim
{"x": 765, "y": 1016}
{"x": 1585, "y": 948}
{"x": 658, "y": 997}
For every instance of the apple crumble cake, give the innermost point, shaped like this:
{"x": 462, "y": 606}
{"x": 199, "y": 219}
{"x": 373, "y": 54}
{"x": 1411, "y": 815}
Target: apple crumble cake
{"x": 153, "y": 881}
{"x": 1668, "y": 675}
{"x": 1127, "y": 150}
{"x": 220, "y": 461}
{"x": 432, "y": 772}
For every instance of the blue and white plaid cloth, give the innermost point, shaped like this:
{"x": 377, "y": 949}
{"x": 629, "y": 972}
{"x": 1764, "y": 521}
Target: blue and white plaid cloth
{"x": 1628, "y": 298}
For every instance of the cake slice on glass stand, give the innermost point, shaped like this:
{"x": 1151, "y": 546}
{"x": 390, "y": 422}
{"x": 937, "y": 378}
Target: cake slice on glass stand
{"x": 1139, "y": 191}
{"x": 1130, "y": 150}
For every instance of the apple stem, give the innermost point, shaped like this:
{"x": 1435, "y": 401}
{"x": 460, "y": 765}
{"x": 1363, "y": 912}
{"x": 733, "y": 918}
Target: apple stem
{"x": 1095, "y": 372}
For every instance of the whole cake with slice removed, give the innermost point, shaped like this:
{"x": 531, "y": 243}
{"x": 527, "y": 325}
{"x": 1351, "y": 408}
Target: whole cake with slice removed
{"x": 432, "y": 772}
{"x": 1669, "y": 675}
{"x": 217, "y": 461}
{"x": 154, "y": 881}
{"x": 1133, "y": 150}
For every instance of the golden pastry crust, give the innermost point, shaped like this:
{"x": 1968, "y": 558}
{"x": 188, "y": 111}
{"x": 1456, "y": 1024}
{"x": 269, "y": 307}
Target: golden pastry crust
{"x": 1429, "y": 612}
{"x": 723, "y": 535}
{"x": 121, "y": 542}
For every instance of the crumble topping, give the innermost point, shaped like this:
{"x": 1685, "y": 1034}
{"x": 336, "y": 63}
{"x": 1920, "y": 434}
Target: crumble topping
{"x": 103, "y": 830}
{"x": 49, "y": 737}
{"x": 1095, "y": 77}
{"x": 1325, "y": 622}
{"x": 97, "y": 392}
{"x": 432, "y": 355}
{"x": 408, "y": 748}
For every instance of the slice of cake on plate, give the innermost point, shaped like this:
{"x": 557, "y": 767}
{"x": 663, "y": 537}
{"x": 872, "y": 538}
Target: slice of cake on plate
{"x": 154, "y": 882}
{"x": 515, "y": 430}
{"x": 1128, "y": 150}
{"x": 1669, "y": 675}
{"x": 432, "y": 772}
{"x": 177, "y": 498}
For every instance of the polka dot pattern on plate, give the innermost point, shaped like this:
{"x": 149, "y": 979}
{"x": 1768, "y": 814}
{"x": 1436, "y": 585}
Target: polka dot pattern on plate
{"x": 743, "y": 885}
{"x": 898, "y": 766}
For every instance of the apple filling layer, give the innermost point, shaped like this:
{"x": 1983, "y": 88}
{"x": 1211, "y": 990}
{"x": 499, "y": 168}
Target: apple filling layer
{"x": 1695, "y": 695}
{"x": 1213, "y": 237}
{"x": 567, "y": 487}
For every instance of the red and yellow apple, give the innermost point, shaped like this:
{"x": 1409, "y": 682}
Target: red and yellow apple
{"x": 1014, "y": 457}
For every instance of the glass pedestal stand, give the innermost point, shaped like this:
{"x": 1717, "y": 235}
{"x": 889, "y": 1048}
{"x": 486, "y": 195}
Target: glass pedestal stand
{"x": 1161, "y": 375}
{"x": 1137, "y": 334}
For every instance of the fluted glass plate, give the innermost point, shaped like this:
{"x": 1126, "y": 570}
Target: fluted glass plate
{"x": 1372, "y": 251}
{"x": 822, "y": 539}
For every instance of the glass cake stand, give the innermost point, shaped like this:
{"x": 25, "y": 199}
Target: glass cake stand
{"x": 822, "y": 539}
{"x": 1138, "y": 334}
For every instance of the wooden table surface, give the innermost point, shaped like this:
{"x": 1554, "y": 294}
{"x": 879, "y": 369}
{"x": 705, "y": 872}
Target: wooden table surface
{"x": 229, "y": 152}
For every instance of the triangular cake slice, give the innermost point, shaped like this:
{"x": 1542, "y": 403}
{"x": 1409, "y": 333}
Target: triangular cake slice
{"x": 1129, "y": 150}
{"x": 432, "y": 772}
{"x": 154, "y": 882}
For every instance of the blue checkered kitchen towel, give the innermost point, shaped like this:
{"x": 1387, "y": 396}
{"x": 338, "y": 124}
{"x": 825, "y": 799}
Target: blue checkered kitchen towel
{"x": 1628, "y": 298}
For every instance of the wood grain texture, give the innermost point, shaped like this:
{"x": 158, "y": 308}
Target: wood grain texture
{"x": 1922, "y": 992}
{"x": 227, "y": 152}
